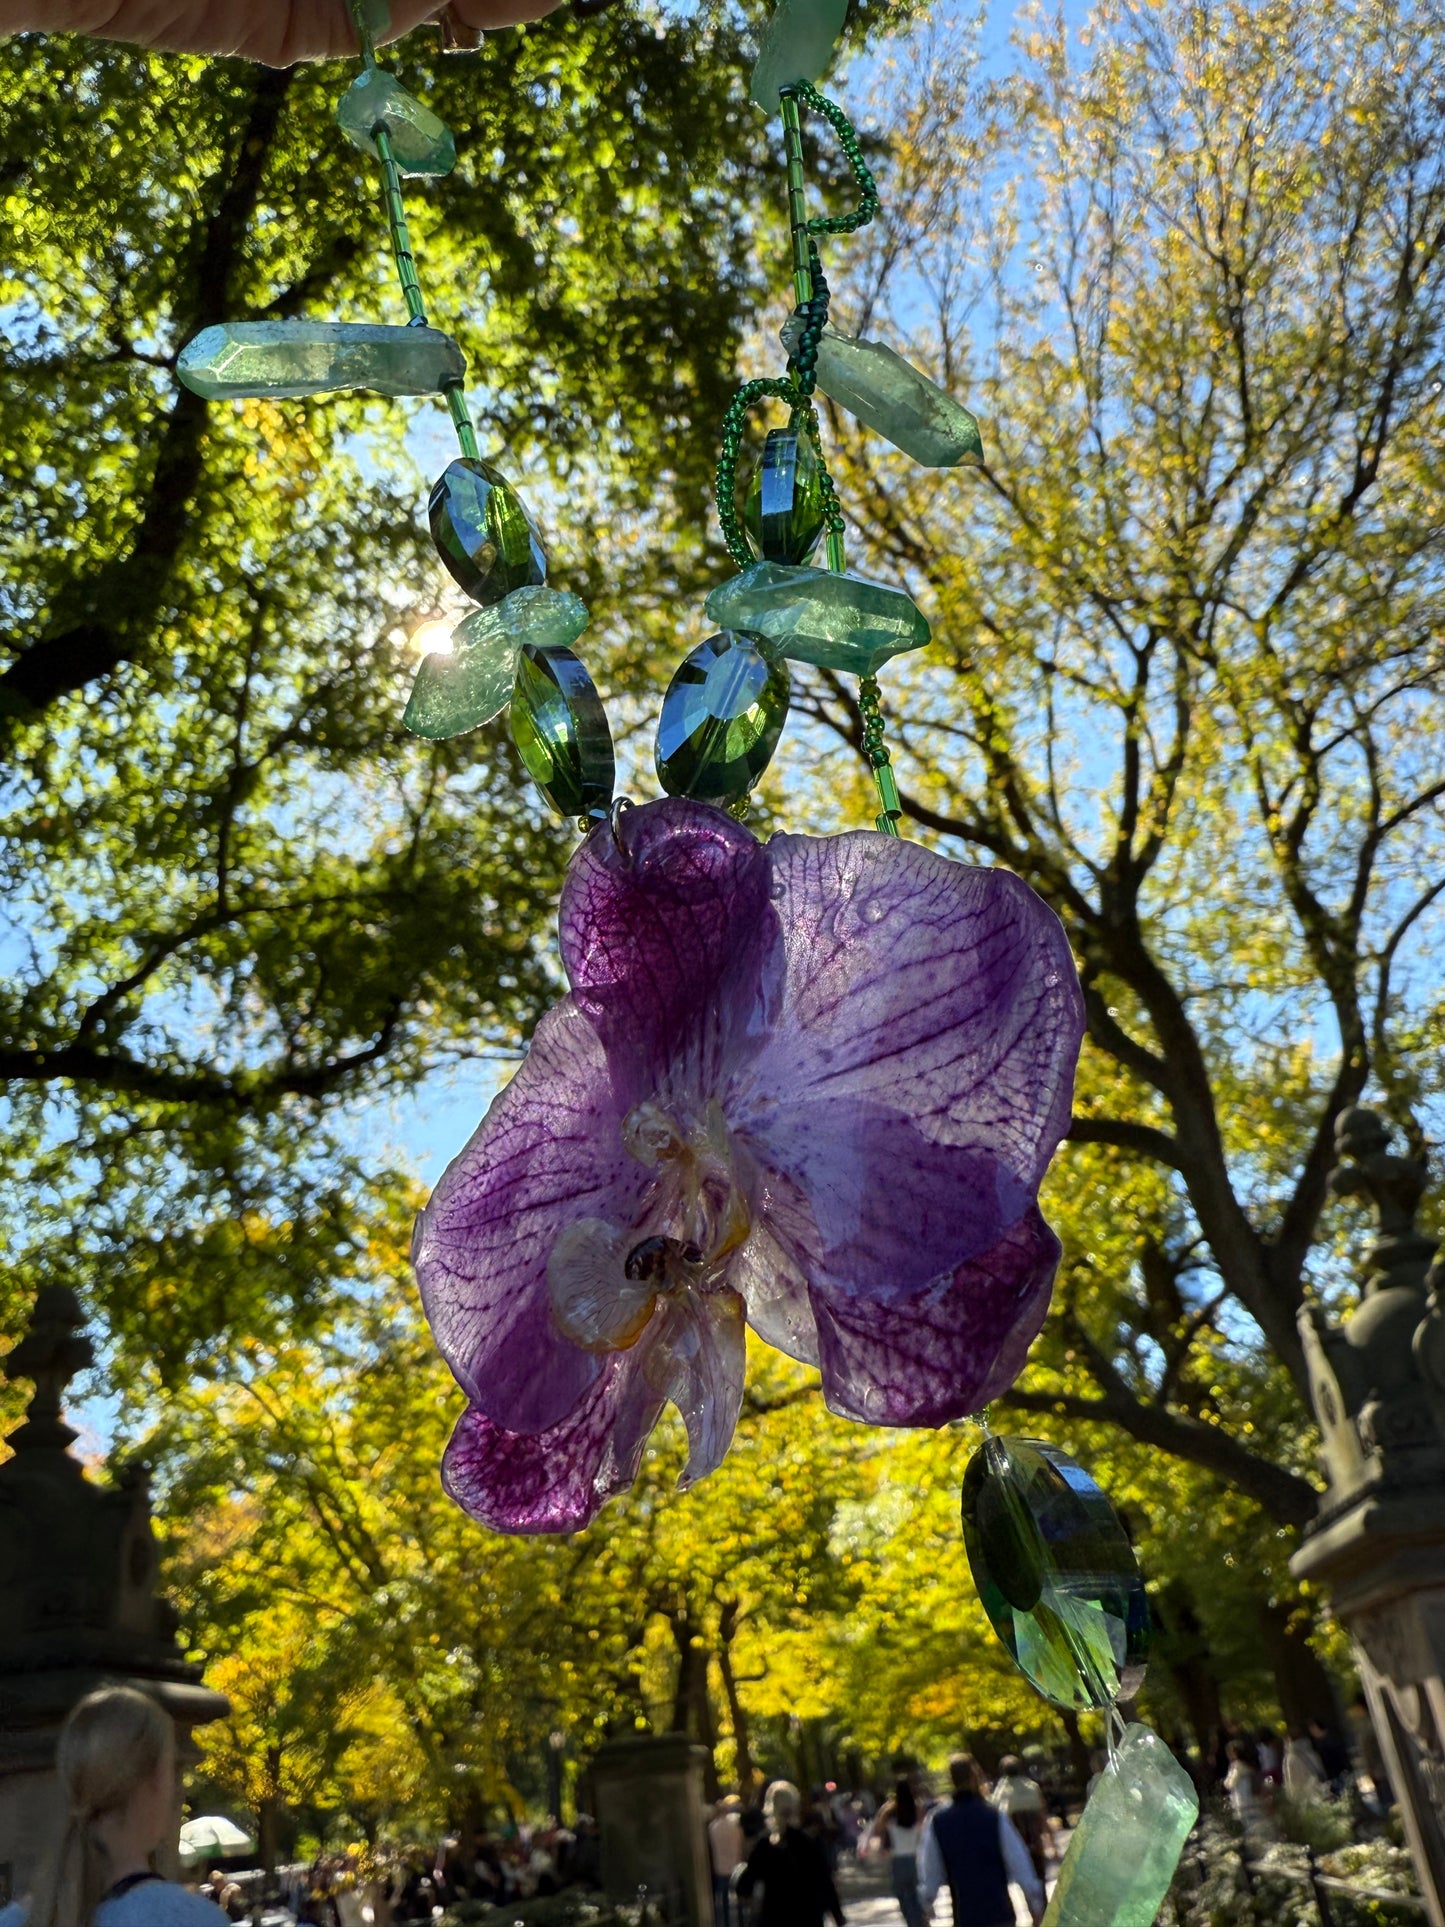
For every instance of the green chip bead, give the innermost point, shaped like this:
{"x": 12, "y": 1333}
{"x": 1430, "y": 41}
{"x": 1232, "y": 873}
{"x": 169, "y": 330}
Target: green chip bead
{"x": 796, "y": 44}
{"x": 560, "y": 728}
{"x": 483, "y": 532}
{"x": 784, "y": 513}
{"x": 1126, "y": 1847}
{"x": 721, "y": 719}
{"x": 461, "y": 689}
{"x": 833, "y": 618}
{"x": 282, "y": 359}
{"x": 420, "y": 142}
{"x": 1055, "y": 1572}
{"x": 893, "y": 398}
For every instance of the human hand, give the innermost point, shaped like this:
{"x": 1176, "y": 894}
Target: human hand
{"x": 276, "y": 32}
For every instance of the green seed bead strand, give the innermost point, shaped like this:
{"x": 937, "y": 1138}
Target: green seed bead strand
{"x": 364, "y": 39}
{"x": 869, "y": 204}
{"x": 406, "y": 273}
{"x": 879, "y": 759}
{"x": 797, "y": 196}
{"x": 726, "y": 485}
{"x": 396, "y": 221}
{"x": 803, "y": 369}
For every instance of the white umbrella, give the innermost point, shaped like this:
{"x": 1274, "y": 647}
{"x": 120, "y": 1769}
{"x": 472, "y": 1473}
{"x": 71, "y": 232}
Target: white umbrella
{"x": 212, "y": 1833}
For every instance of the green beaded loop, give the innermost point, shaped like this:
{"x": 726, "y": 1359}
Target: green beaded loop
{"x": 726, "y": 484}
{"x": 869, "y": 204}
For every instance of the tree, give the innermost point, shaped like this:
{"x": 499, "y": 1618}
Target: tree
{"x": 243, "y": 904}
{"x": 1188, "y": 652}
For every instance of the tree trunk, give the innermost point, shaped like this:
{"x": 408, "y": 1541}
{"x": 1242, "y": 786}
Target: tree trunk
{"x": 1305, "y": 1689}
{"x": 737, "y": 1713}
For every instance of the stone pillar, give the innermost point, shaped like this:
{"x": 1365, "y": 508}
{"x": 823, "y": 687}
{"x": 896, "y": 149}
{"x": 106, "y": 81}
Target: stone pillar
{"x": 78, "y": 1607}
{"x": 1377, "y": 1383}
{"x": 648, "y": 1799}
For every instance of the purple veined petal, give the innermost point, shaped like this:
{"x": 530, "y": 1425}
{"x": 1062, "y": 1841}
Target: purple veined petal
{"x": 548, "y": 1152}
{"x": 671, "y": 944}
{"x": 698, "y": 1360}
{"x": 557, "y": 1480}
{"x": 946, "y": 1350}
{"x": 924, "y": 987}
{"x": 770, "y": 1270}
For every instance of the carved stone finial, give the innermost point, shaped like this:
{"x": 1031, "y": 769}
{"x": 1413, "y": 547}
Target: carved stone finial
{"x": 52, "y": 1352}
{"x": 1394, "y": 1186}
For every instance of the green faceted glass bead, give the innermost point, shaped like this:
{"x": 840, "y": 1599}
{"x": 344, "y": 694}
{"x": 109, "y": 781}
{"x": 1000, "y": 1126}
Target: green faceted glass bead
{"x": 893, "y": 398}
{"x": 1056, "y": 1573}
{"x": 420, "y": 142}
{"x": 280, "y": 359}
{"x": 784, "y": 509}
{"x": 797, "y": 44}
{"x": 560, "y": 728}
{"x": 483, "y": 532}
{"x": 1124, "y": 1851}
{"x": 721, "y": 719}
{"x": 461, "y": 689}
{"x": 835, "y": 619}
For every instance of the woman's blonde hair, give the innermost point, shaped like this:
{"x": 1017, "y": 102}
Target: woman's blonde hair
{"x": 781, "y": 1806}
{"x": 114, "y": 1741}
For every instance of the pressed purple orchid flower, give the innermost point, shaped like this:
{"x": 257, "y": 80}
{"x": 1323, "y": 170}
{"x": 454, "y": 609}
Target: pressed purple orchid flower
{"x": 810, "y": 1086}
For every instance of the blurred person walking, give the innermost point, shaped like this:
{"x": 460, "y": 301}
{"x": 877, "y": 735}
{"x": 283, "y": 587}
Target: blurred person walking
{"x": 899, "y": 1827}
{"x": 727, "y": 1851}
{"x": 1022, "y": 1799}
{"x": 975, "y": 1852}
{"x": 791, "y": 1868}
{"x": 116, "y": 1763}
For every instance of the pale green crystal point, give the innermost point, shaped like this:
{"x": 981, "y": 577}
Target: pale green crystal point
{"x": 797, "y": 44}
{"x": 420, "y": 142}
{"x": 282, "y": 359}
{"x": 468, "y": 686}
{"x": 893, "y": 398}
{"x": 839, "y": 621}
{"x": 1122, "y": 1857}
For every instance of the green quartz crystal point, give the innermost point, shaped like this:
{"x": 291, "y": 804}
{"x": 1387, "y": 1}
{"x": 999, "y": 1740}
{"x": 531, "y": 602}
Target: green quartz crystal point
{"x": 1125, "y": 1848}
{"x": 839, "y": 621}
{"x": 784, "y": 508}
{"x": 420, "y": 143}
{"x": 560, "y": 727}
{"x": 721, "y": 719}
{"x": 893, "y": 398}
{"x": 797, "y": 44}
{"x": 461, "y": 689}
{"x": 281, "y": 359}
{"x": 1056, "y": 1573}
{"x": 483, "y": 532}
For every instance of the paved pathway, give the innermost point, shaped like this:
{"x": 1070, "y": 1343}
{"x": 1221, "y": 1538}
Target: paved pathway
{"x": 868, "y": 1903}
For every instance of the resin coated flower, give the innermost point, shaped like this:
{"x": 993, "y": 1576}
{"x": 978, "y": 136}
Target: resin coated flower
{"x": 809, "y": 1086}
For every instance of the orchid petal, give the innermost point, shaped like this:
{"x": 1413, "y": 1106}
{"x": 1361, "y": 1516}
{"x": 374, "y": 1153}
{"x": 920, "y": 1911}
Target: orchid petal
{"x": 946, "y": 1349}
{"x": 671, "y": 944}
{"x": 548, "y": 1152}
{"x": 557, "y": 1480}
{"x": 699, "y": 1362}
{"x": 593, "y": 1300}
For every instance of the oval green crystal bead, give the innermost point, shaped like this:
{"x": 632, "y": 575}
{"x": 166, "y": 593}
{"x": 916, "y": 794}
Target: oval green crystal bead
{"x": 463, "y": 688}
{"x": 784, "y": 508}
{"x": 721, "y": 719}
{"x": 560, "y": 729}
{"x": 1055, "y": 1572}
{"x": 483, "y": 532}
{"x": 420, "y": 142}
{"x": 835, "y": 619}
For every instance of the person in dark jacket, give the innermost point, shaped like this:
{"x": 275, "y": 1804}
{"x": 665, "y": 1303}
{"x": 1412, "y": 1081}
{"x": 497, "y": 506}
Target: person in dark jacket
{"x": 976, "y": 1851}
{"x": 791, "y": 1869}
